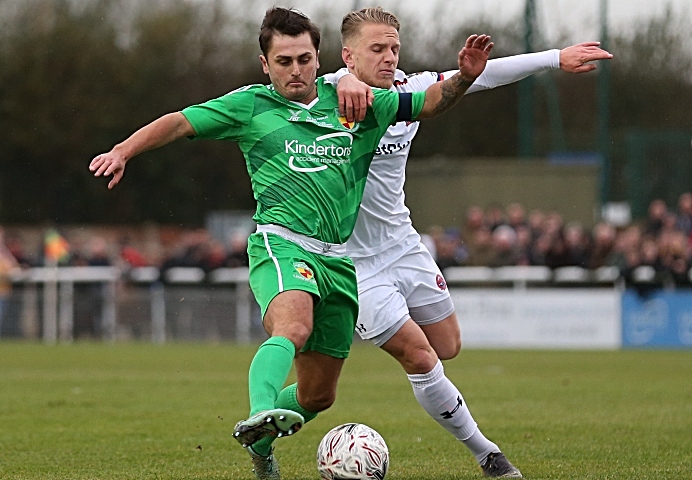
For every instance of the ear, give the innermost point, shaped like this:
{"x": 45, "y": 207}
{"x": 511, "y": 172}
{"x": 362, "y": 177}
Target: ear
{"x": 265, "y": 65}
{"x": 347, "y": 57}
{"x": 317, "y": 60}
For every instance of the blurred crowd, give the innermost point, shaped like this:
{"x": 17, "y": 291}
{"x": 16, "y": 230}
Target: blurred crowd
{"x": 493, "y": 237}
{"x": 499, "y": 237}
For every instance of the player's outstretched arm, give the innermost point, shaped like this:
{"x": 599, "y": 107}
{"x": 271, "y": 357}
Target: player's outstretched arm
{"x": 158, "y": 133}
{"x": 577, "y": 58}
{"x": 506, "y": 70}
{"x": 472, "y": 59}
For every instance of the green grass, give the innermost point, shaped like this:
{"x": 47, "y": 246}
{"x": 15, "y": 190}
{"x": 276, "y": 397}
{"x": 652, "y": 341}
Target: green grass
{"x": 92, "y": 411}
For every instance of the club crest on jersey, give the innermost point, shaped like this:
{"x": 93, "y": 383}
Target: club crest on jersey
{"x": 304, "y": 272}
{"x": 441, "y": 284}
{"x": 346, "y": 123}
{"x": 342, "y": 120}
{"x": 295, "y": 115}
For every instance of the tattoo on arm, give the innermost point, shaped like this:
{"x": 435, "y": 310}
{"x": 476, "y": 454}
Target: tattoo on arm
{"x": 452, "y": 91}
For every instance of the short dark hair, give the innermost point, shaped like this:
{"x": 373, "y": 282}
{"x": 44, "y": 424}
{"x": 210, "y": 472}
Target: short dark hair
{"x": 286, "y": 21}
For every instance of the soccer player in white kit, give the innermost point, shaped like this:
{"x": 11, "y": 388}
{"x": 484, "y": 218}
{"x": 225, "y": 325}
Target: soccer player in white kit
{"x": 405, "y": 307}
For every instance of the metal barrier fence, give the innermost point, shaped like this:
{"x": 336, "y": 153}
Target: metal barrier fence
{"x": 187, "y": 304}
{"x": 61, "y": 304}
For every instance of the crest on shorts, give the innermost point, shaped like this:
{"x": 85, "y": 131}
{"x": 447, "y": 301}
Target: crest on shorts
{"x": 304, "y": 271}
{"x": 441, "y": 284}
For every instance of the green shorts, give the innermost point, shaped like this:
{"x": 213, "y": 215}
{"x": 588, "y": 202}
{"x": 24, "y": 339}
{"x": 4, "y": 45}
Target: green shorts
{"x": 278, "y": 265}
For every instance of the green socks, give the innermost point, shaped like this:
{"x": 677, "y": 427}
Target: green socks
{"x": 268, "y": 373}
{"x": 288, "y": 399}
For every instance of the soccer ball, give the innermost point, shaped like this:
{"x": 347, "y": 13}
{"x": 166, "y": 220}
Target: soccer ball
{"x": 352, "y": 451}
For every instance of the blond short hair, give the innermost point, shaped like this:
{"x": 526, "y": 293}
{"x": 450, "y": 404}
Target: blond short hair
{"x": 352, "y": 21}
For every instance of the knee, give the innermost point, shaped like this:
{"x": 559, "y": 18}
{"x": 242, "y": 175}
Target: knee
{"x": 420, "y": 360}
{"x": 317, "y": 401}
{"x": 449, "y": 349}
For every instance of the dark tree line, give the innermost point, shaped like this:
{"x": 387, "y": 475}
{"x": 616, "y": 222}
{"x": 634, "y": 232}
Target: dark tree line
{"x": 76, "y": 77}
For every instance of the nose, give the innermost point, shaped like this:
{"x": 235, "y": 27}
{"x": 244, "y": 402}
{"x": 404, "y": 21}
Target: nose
{"x": 296, "y": 69}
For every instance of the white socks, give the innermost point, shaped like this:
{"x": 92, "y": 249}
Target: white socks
{"x": 443, "y": 402}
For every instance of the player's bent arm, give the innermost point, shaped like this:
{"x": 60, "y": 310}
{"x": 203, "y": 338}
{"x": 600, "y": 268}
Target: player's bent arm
{"x": 472, "y": 59}
{"x": 158, "y": 133}
{"x": 442, "y": 96}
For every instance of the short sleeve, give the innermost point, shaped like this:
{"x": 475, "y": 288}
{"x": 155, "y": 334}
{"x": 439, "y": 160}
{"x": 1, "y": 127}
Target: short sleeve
{"x": 223, "y": 118}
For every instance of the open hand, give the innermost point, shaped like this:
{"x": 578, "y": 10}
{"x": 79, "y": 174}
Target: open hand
{"x": 109, "y": 164}
{"x": 474, "y": 56}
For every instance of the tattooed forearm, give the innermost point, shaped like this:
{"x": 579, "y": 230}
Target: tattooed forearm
{"x": 451, "y": 92}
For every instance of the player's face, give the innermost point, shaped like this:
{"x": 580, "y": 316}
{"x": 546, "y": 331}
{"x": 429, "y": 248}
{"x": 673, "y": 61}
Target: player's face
{"x": 292, "y": 64}
{"x": 373, "y": 54}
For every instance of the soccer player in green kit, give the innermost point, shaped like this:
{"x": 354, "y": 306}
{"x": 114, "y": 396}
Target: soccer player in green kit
{"x": 308, "y": 168}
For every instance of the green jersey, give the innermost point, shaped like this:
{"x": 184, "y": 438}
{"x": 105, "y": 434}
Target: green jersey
{"x": 307, "y": 164}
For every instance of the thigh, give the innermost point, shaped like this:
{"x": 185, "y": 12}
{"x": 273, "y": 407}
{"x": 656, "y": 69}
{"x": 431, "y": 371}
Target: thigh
{"x": 290, "y": 315}
{"x": 422, "y": 285}
{"x": 277, "y": 266}
{"x": 337, "y": 308}
{"x": 381, "y": 306}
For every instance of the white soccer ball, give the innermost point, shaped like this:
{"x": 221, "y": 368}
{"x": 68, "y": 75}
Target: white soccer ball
{"x": 352, "y": 451}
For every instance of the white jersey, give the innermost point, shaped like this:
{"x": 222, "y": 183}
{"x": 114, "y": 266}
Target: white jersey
{"x": 383, "y": 219}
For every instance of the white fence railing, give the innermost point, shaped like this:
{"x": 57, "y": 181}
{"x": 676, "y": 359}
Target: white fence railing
{"x": 60, "y": 304}
{"x": 46, "y": 300}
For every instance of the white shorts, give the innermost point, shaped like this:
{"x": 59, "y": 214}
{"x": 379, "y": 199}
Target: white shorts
{"x": 400, "y": 283}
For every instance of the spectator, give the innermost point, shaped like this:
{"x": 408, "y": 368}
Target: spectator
{"x": 237, "y": 255}
{"x": 684, "y": 216}
{"x": 450, "y": 251}
{"x": 480, "y": 248}
{"x": 602, "y": 245}
{"x": 536, "y": 220}
{"x": 132, "y": 256}
{"x": 516, "y": 216}
{"x": 626, "y": 243}
{"x": 495, "y": 217}
{"x": 215, "y": 256}
{"x": 576, "y": 245}
{"x": 524, "y": 243}
{"x": 474, "y": 221}
{"x": 16, "y": 248}
{"x": 553, "y": 225}
{"x": 655, "y": 218}
{"x": 674, "y": 252}
{"x": 505, "y": 251}
{"x": 98, "y": 253}
{"x": 649, "y": 254}
{"x": 8, "y": 264}
{"x": 539, "y": 249}
{"x": 557, "y": 255}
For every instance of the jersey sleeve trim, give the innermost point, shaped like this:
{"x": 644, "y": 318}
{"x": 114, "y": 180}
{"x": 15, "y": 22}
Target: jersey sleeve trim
{"x": 405, "y": 111}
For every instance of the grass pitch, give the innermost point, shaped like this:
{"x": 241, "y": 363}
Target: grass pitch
{"x": 137, "y": 411}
